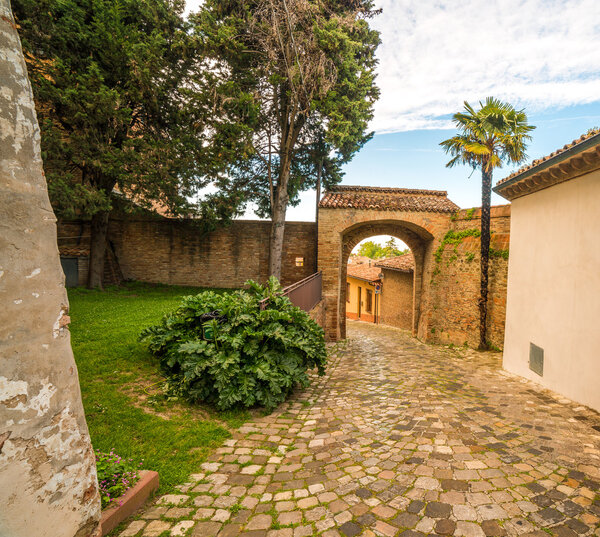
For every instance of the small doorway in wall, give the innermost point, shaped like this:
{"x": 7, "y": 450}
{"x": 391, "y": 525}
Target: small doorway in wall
{"x": 358, "y": 306}
{"x": 70, "y": 266}
{"x": 369, "y": 307}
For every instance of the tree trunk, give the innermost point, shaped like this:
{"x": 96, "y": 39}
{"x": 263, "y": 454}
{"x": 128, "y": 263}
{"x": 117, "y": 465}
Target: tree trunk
{"x": 319, "y": 172}
{"x": 278, "y": 222}
{"x": 48, "y": 484}
{"x": 486, "y": 195}
{"x": 99, "y": 232}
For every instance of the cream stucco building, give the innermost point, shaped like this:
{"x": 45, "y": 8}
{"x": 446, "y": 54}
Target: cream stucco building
{"x": 553, "y": 306}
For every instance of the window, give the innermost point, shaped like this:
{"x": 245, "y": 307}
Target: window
{"x": 347, "y": 292}
{"x": 369, "y": 301}
{"x": 299, "y": 261}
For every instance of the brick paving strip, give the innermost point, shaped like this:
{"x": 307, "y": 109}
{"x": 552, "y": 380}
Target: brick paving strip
{"x": 399, "y": 438}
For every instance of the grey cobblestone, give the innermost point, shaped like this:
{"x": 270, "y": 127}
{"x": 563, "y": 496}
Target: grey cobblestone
{"x": 400, "y": 438}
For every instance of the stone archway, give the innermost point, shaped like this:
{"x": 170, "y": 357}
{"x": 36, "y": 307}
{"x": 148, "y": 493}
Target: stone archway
{"x": 347, "y": 215}
{"x": 414, "y": 237}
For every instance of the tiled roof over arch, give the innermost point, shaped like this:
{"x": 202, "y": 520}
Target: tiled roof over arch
{"x": 387, "y": 199}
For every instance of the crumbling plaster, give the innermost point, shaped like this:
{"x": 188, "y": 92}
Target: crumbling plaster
{"x": 48, "y": 484}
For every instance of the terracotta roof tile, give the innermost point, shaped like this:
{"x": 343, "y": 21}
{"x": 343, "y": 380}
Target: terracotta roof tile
{"x": 537, "y": 162}
{"x": 355, "y": 259}
{"x": 387, "y": 199}
{"x": 364, "y": 272}
{"x": 403, "y": 263}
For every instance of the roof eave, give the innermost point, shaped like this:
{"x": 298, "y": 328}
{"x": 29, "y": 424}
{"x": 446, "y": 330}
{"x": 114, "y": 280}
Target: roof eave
{"x": 363, "y": 279}
{"x": 395, "y": 268}
{"x": 542, "y": 166}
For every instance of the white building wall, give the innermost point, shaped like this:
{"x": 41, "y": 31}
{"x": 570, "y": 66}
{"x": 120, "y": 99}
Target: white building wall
{"x": 554, "y": 288}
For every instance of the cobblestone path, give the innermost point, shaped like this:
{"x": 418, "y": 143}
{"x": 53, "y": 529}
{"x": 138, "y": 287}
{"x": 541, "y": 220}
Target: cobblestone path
{"x": 400, "y": 438}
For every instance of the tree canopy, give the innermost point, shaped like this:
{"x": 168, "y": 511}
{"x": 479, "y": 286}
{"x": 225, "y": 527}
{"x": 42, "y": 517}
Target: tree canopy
{"x": 375, "y": 250}
{"x": 258, "y": 100}
{"x": 293, "y": 82}
{"x": 487, "y": 137}
{"x": 118, "y": 107}
{"x": 108, "y": 79}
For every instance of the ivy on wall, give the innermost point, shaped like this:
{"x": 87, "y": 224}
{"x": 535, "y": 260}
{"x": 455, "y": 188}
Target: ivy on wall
{"x": 455, "y": 238}
{"x": 499, "y": 253}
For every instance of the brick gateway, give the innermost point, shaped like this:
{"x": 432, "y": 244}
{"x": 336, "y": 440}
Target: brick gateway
{"x": 421, "y": 219}
{"x": 445, "y": 283}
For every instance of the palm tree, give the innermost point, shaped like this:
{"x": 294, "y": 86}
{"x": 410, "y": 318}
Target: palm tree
{"x": 488, "y": 136}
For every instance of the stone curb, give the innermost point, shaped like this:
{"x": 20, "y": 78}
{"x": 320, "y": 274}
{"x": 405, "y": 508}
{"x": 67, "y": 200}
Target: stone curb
{"x": 132, "y": 500}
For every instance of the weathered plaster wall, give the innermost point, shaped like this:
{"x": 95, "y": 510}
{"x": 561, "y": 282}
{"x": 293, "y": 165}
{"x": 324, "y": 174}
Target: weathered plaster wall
{"x": 48, "y": 484}
{"x": 554, "y": 287}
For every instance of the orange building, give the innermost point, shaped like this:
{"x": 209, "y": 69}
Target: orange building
{"x": 381, "y": 291}
{"x": 363, "y": 285}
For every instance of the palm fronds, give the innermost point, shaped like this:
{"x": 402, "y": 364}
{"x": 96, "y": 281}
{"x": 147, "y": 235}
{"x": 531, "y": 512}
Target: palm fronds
{"x": 489, "y": 136}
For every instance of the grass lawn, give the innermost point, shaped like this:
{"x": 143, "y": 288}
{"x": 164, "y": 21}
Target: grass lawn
{"x": 118, "y": 379}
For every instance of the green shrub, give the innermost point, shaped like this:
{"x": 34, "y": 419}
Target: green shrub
{"x": 224, "y": 350}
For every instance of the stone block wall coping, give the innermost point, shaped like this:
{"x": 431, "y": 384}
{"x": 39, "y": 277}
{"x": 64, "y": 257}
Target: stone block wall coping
{"x": 497, "y": 211}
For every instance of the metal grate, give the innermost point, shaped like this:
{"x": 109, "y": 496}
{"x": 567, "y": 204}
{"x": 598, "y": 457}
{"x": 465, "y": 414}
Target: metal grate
{"x": 536, "y": 359}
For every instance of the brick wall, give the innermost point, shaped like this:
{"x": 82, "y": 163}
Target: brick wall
{"x": 397, "y": 298}
{"x": 318, "y": 313}
{"x": 176, "y": 253}
{"x": 445, "y": 293}
{"x": 445, "y": 297}
{"x": 454, "y": 314}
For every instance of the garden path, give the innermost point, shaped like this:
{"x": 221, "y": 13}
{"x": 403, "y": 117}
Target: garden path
{"x": 399, "y": 438}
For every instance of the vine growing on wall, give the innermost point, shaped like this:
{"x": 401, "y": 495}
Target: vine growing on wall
{"x": 455, "y": 238}
{"x": 468, "y": 215}
{"x": 499, "y": 253}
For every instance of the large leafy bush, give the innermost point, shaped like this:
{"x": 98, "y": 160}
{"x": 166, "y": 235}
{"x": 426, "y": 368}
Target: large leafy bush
{"x": 224, "y": 350}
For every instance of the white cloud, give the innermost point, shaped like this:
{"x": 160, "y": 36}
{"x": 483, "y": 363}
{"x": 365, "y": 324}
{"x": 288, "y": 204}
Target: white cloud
{"x": 193, "y": 5}
{"x": 537, "y": 54}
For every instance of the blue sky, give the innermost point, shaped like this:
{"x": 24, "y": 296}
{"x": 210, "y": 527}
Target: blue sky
{"x": 414, "y": 159}
{"x": 540, "y": 55}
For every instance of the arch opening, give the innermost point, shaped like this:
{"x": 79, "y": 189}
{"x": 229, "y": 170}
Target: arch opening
{"x": 415, "y": 237}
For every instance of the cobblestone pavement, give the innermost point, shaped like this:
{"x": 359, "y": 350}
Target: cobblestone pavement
{"x": 399, "y": 438}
